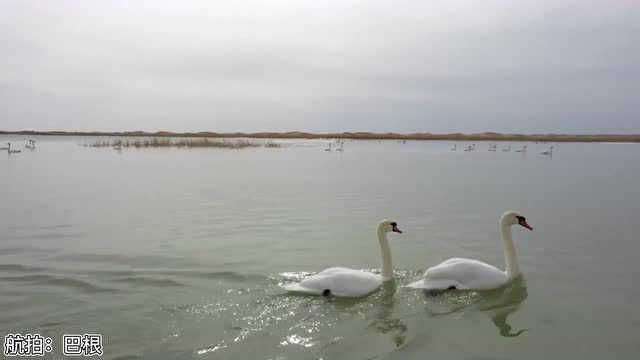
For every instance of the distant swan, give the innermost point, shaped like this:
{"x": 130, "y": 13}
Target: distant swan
{"x": 11, "y": 151}
{"x": 345, "y": 282}
{"x": 454, "y": 148}
{"x": 548, "y": 152}
{"x": 470, "y": 274}
{"x": 329, "y": 148}
{"x": 524, "y": 149}
{"x": 31, "y": 144}
{"x": 341, "y": 146}
{"x": 507, "y": 149}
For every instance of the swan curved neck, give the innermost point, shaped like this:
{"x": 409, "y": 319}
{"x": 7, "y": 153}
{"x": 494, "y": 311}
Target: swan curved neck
{"x": 385, "y": 251}
{"x": 510, "y": 258}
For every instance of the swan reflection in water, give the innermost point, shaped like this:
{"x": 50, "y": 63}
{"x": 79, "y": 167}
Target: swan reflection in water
{"x": 383, "y": 321}
{"x": 382, "y": 318}
{"x": 501, "y": 303}
{"x": 498, "y": 304}
{"x": 383, "y": 324}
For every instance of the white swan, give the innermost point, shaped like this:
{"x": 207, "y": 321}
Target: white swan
{"x": 345, "y": 282}
{"x": 11, "y": 151}
{"x": 329, "y": 148}
{"x": 470, "y": 274}
{"x": 30, "y": 144}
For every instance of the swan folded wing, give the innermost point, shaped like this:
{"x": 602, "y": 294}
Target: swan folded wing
{"x": 301, "y": 289}
{"x": 435, "y": 279}
{"x": 426, "y": 284}
{"x": 334, "y": 270}
{"x": 341, "y": 282}
{"x": 464, "y": 274}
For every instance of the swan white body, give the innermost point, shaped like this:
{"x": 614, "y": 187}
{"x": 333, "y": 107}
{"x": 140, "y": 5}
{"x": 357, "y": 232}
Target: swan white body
{"x": 31, "y": 144}
{"x": 345, "y": 282}
{"x": 548, "y": 152}
{"x": 338, "y": 281}
{"x": 470, "y": 274}
{"x": 11, "y": 151}
{"x": 462, "y": 274}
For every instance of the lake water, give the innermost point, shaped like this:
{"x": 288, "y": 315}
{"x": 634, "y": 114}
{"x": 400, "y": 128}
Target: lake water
{"x": 180, "y": 253}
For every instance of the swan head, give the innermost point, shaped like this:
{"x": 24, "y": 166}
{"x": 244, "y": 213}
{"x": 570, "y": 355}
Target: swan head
{"x": 387, "y": 226}
{"x": 513, "y": 218}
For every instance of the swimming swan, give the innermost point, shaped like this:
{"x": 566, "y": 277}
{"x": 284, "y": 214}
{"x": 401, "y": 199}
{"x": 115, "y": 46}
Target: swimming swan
{"x": 345, "y": 282}
{"x": 470, "y": 274}
{"x": 548, "y": 152}
{"x": 11, "y": 151}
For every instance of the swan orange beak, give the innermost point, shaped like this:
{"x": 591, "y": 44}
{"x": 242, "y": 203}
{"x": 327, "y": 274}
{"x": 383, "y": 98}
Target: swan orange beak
{"x": 524, "y": 224}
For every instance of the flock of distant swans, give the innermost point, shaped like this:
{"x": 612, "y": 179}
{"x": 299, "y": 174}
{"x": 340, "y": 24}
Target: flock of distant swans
{"x": 31, "y": 145}
{"x": 339, "y": 146}
{"x": 452, "y": 274}
{"x": 494, "y": 147}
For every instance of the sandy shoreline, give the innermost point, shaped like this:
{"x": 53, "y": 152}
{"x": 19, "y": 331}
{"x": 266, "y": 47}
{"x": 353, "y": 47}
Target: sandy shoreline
{"x": 487, "y": 136}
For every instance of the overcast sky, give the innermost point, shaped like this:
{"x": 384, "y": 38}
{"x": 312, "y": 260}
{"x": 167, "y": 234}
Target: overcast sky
{"x": 403, "y": 66}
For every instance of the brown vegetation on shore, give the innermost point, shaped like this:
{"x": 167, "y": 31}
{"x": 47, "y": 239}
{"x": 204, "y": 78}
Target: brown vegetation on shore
{"x": 157, "y": 142}
{"x": 487, "y": 136}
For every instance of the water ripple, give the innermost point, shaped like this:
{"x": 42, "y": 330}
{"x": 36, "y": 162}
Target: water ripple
{"x": 19, "y": 268}
{"x": 64, "y": 282}
{"x": 26, "y": 250}
{"x": 141, "y": 260}
{"x": 145, "y": 281}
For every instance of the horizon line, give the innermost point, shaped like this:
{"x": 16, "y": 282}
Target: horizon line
{"x": 356, "y": 135}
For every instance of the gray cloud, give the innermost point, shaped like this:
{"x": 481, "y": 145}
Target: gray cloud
{"x": 440, "y": 66}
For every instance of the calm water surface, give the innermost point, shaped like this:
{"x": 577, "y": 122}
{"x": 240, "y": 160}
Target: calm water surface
{"x": 179, "y": 254}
